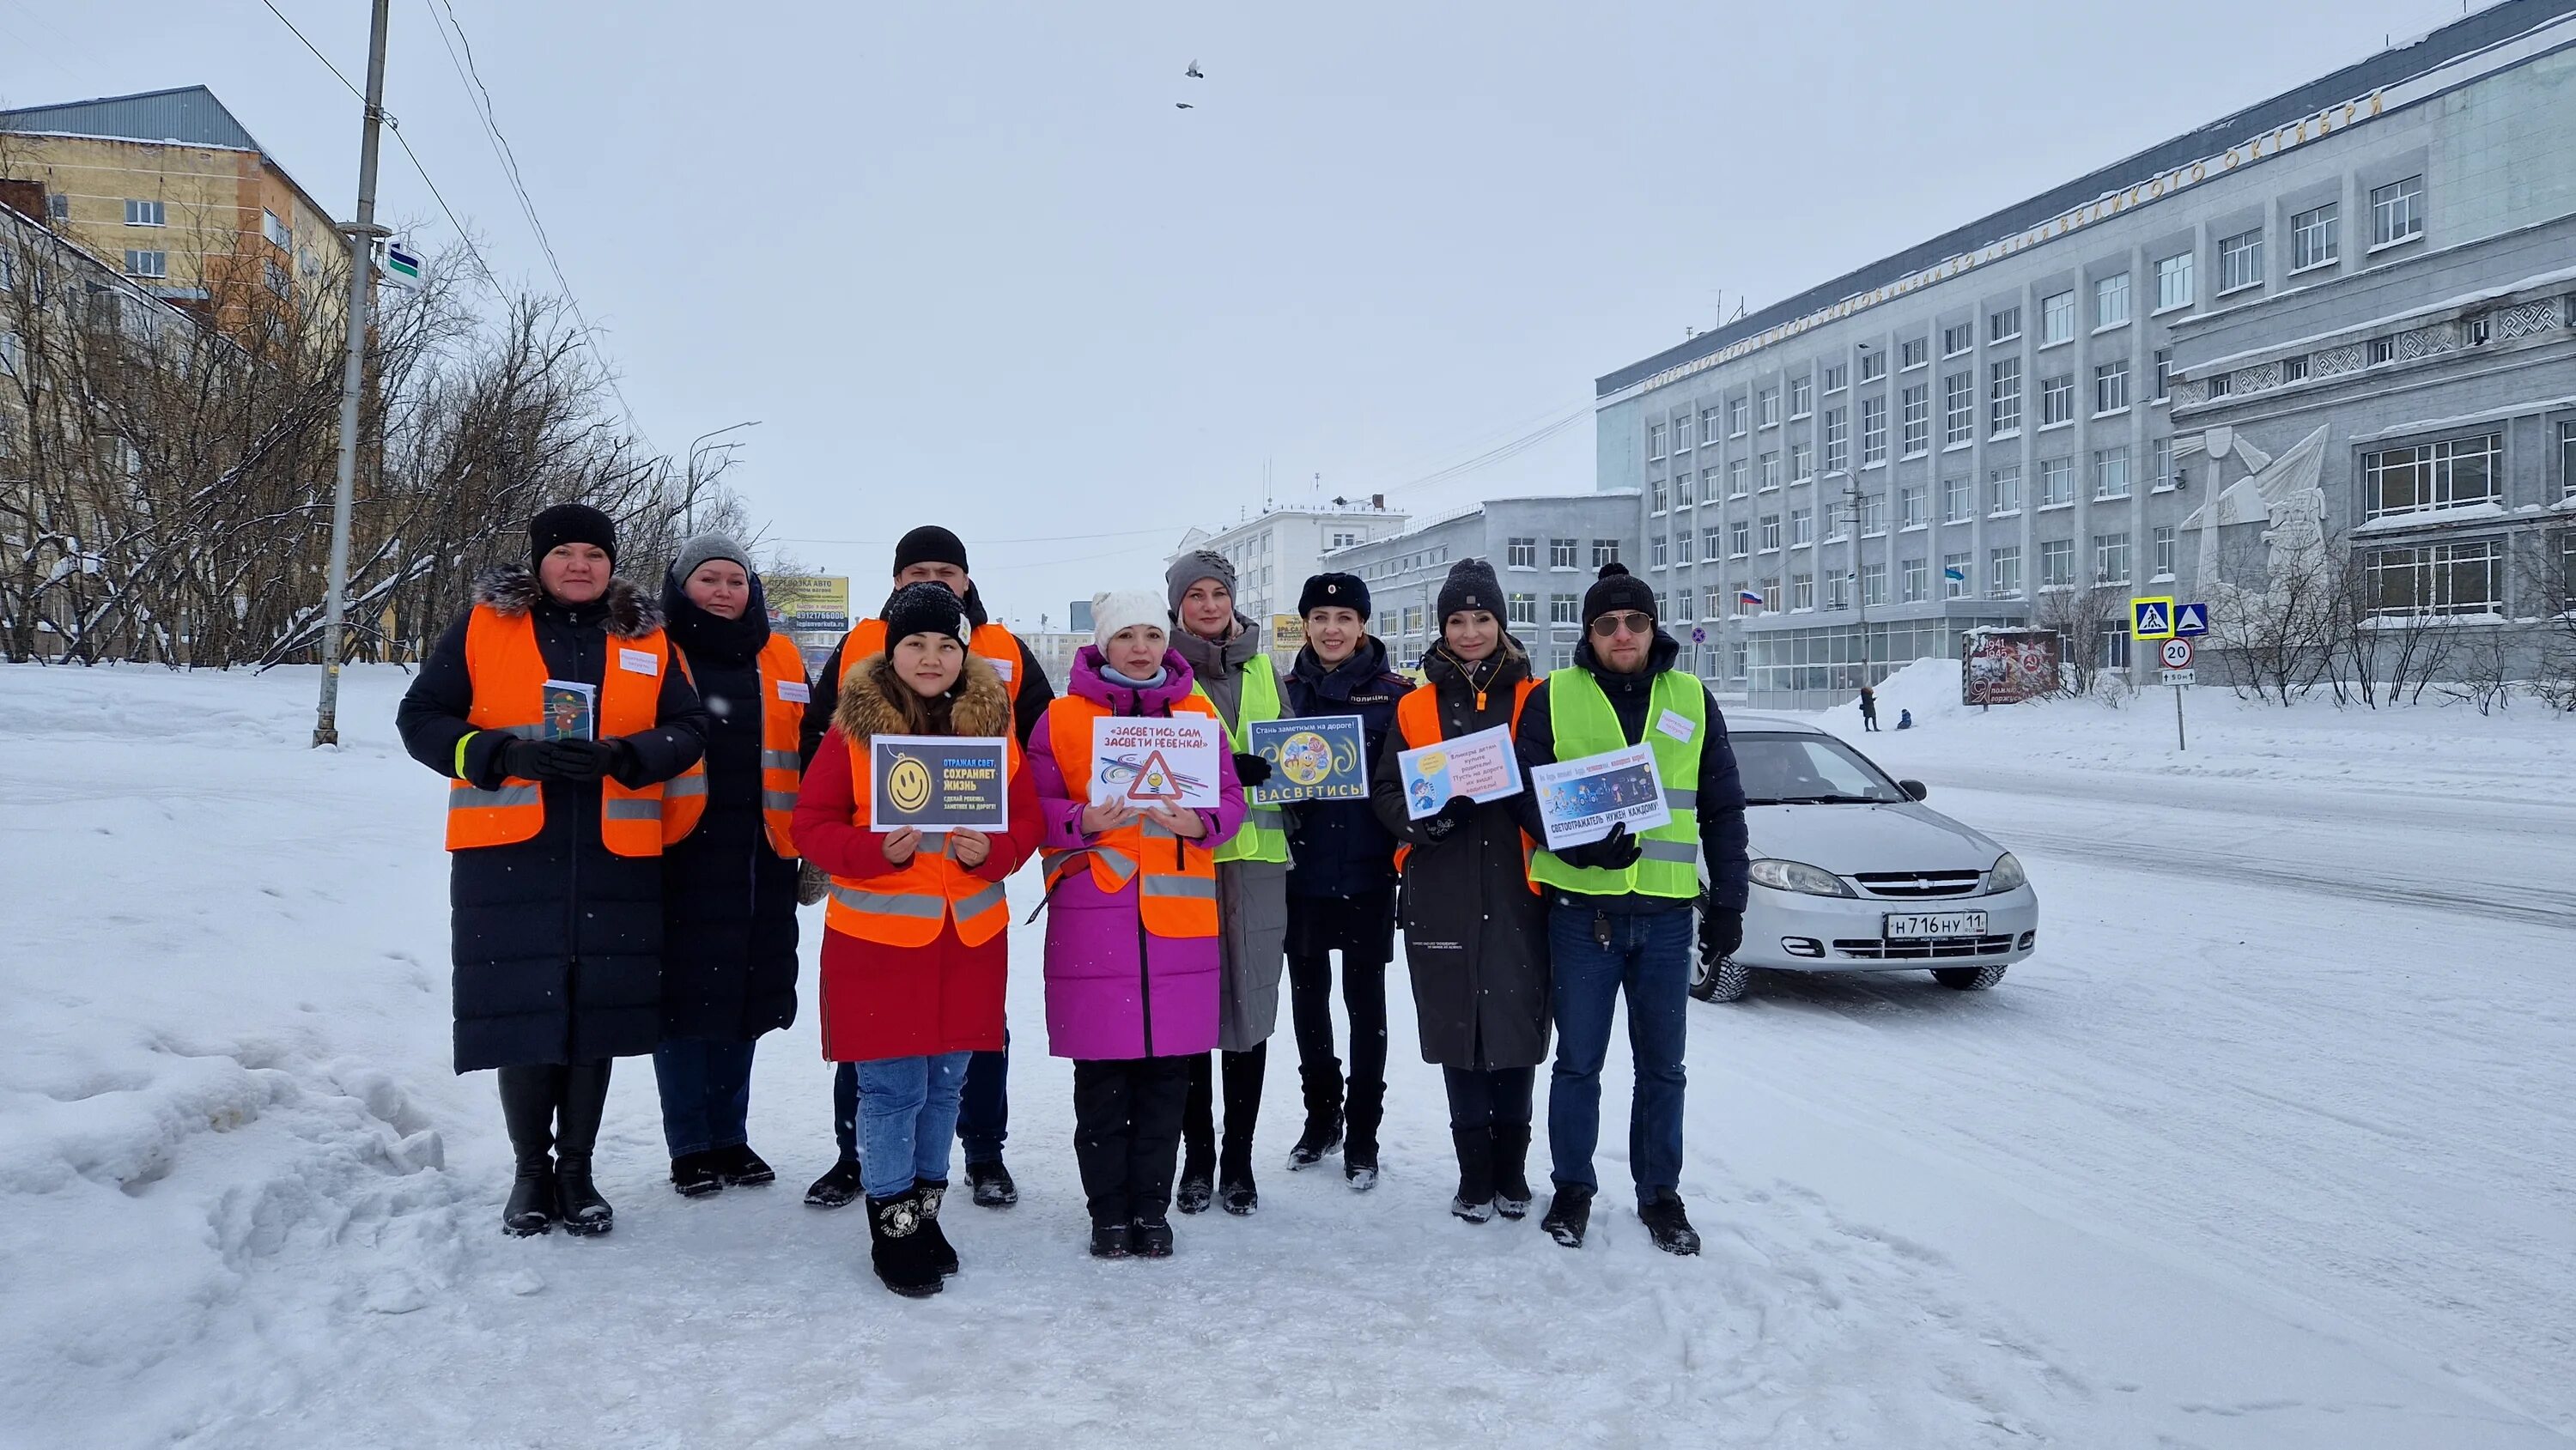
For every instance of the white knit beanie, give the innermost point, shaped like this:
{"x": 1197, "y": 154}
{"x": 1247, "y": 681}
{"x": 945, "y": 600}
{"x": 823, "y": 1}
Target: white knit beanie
{"x": 1120, "y": 608}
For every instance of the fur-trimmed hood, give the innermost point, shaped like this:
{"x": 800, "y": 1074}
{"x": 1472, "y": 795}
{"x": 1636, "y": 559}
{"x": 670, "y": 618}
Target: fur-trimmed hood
{"x": 511, "y": 590}
{"x": 978, "y": 706}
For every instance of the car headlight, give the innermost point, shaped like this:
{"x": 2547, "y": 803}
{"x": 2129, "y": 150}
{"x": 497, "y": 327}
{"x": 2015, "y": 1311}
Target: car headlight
{"x": 2006, "y": 875}
{"x": 1798, "y": 876}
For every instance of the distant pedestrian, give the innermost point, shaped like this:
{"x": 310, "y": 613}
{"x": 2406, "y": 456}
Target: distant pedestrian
{"x": 1904, "y": 719}
{"x": 1868, "y": 709}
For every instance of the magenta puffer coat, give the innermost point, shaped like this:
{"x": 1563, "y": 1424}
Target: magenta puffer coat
{"x": 1113, "y": 990}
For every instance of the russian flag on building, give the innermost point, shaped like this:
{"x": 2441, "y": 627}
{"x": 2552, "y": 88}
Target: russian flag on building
{"x": 1748, "y": 598}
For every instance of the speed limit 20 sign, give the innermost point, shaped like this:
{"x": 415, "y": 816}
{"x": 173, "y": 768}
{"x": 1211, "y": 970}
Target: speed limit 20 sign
{"x": 2177, "y": 654}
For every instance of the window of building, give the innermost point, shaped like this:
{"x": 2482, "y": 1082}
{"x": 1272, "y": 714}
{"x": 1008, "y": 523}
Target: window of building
{"x": 2111, "y": 300}
{"x": 2003, "y": 489}
{"x": 1708, "y": 425}
{"x": 1770, "y": 409}
{"x": 1914, "y": 581}
{"x": 2003, "y": 325}
{"x": 2164, "y": 539}
{"x": 2160, "y": 464}
{"x": 2240, "y": 261}
{"x": 2396, "y": 212}
{"x": 1655, "y": 495}
{"x": 1837, "y": 440}
{"x": 144, "y": 213}
{"x": 2567, "y": 460}
{"x": 1802, "y": 591}
{"x": 1739, "y": 475}
{"x": 1873, "y": 583}
{"x": 2056, "y": 563}
{"x": 1838, "y": 591}
{"x": 1739, "y": 414}
{"x": 2173, "y": 281}
{"x": 2466, "y": 578}
{"x": 273, "y": 227}
{"x": 1739, "y": 538}
{"x": 2056, "y": 319}
{"x": 2003, "y": 397}
{"x": 1710, "y": 542}
{"x": 1769, "y": 589}
{"x": 2057, "y": 400}
{"x": 2379, "y": 350}
{"x": 1873, "y": 515}
{"x": 2453, "y": 473}
{"x": 147, "y": 264}
{"x": 1561, "y": 553}
{"x": 1873, "y": 430}
{"x": 1802, "y": 462}
{"x": 1681, "y": 435}
{"x": 1521, "y": 551}
{"x": 1655, "y": 549}
{"x": 2111, "y": 387}
{"x": 58, "y": 207}
{"x": 2115, "y": 644}
{"x": 2313, "y": 238}
{"x": 1604, "y": 551}
{"x": 2056, "y": 482}
{"x": 1873, "y": 365}
{"x": 1958, "y": 339}
{"x": 1958, "y": 500}
{"x": 1712, "y": 602}
{"x": 2111, "y": 558}
{"x": 2164, "y": 373}
{"x": 1802, "y": 396}
{"x": 1413, "y": 618}
{"x": 1916, "y": 406}
{"x": 1837, "y": 377}
{"x": 1565, "y": 609}
{"x": 1913, "y": 352}
{"x": 1561, "y": 657}
{"x": 1770, "y": 533}
{"x": 2003, "y": 572}
{"x": 2221, "y": 384}
{"x": 1911, "y": 503}
{"x": 1654, "y": 440}
{"x": 12, "y": 356}
{"x": 2294, "y": 369}
{"x": 274, "y": 273}
{"x": 1802, "y": 527}
{"x": 1708, "y": 485}
{"x": 1954, "y": 575}
{"x": 1523, "y": 607}
{"x": 1958, "y": 409}
{"x": 1770, "y": 471}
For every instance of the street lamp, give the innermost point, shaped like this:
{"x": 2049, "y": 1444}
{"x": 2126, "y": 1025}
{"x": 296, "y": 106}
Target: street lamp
{"x": 689, "y": 504}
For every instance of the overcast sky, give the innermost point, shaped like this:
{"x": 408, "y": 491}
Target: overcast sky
{"x": 968, "y": 264}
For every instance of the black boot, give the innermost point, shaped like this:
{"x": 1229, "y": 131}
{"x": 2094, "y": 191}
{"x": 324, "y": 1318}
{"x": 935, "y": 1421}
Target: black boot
{"x": 837, "y": 1187}
{"x": 528, "y": 1109}
{"x": 1198, "y": 1181}
{"x": 1474, "y": 1200}
{"x": 898, "y": 1248}
{"x": 1198, "y": 1137}
{"x": 1667, "y": 1225}
{"x": 1359, "y": 1149}
{"x": 585, "y": 1099}
{"x": 1242, "y": 1072}
{"x": 1150, "y": 1238}
{"x": 742, "y": 1168}
{"x": 943, "y": 1254}
{"x": 1110, "y": 1240}
{"x": 992, "y": 1184}
{"x": 1323, "y": 1082}
{"x": 1568, "y": 1215}
{"x": 695, "y": 1175}
{"x": 1511, "y": 1169}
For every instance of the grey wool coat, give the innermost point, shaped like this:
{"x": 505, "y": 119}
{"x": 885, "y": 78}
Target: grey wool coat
{"x": 1251, "y": 896}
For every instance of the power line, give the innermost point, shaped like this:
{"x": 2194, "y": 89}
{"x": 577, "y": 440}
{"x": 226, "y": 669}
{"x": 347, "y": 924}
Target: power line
{"x": 317, "y": 51}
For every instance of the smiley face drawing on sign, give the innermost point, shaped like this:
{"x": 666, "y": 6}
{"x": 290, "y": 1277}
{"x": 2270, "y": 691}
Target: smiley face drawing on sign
{"x": 908, "y": 783}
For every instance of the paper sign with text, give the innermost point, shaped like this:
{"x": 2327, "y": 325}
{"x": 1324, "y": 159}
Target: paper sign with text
{"x": 1580, "y": 800}
{"x": 1145, "y": 761}
{"x": 1315, "y": 759}
{"x": 939, "y": 782}
{"x": 1482, "y": 766}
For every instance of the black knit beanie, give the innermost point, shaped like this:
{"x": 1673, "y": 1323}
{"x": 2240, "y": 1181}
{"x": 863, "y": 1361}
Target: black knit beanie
{"x": 1617, "y": 589}
{"x": 929, "y": 544}
{"x": 1471, "y": 585}
{"x": 570, "y": 523}
{"x": 924, "y": 608}
{"x": 1334, "y": 591}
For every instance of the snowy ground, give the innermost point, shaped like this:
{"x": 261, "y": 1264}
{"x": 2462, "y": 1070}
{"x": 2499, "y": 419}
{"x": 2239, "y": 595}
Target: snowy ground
{"x": 2270, "y": 1145}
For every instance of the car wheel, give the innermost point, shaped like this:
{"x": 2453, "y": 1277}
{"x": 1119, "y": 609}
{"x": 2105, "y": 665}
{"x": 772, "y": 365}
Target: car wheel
{"x": 1723, "y": 983}
{"x": 1967, "y": 979}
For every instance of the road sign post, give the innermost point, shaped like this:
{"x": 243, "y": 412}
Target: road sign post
{"x": 2176, "y": 655}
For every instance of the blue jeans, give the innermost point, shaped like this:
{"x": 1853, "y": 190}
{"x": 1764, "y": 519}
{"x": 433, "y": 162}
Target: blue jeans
{"x": 706, "y": 1093}
{"x": 1649, "y": 957}
{"x": 983, "y": 1109}
{"x": 907, "y": 1115}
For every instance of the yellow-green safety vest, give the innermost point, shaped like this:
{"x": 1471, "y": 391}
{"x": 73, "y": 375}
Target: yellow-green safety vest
{"x": 1584, "y": 724}
{"x": 1264, "y": 836}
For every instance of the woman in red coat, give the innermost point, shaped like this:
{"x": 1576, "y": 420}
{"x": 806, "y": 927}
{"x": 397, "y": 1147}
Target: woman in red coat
{"x": 915, "y": 952}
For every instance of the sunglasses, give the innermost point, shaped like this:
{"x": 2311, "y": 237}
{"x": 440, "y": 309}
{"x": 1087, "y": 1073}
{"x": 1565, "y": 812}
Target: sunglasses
{"x": 1630, "y": 620}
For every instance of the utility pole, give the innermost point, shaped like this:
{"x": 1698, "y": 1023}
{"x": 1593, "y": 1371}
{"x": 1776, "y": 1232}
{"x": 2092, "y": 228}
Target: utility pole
{"x": 362, "y": 234}
{"x": 1853, "y": 503}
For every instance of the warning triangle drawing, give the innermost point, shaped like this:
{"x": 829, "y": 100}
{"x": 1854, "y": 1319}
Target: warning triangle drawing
{"x": 1154, "y": 781}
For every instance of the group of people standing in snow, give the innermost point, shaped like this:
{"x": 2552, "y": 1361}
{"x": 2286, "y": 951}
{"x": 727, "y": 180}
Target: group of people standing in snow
{"x": 634, "y": 888}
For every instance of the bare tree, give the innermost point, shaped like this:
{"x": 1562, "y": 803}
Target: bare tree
{"x": 2278, "y": 621}
{"x": 2084, "y": 620}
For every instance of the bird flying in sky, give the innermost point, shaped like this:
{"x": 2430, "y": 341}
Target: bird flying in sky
{"x": 1183, "y": 106}
{"x": 1194, "y": 73}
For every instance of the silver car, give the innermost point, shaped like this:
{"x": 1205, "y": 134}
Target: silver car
{"x": 1853, "y": 873}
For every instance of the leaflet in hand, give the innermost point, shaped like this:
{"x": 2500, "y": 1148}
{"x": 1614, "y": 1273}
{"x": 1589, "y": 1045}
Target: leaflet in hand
{"x": 939, "y": 782}
{"x": 1482, "y": 766}
{"x": 1580, "y": 800}
{"x": 571, "y": 710}
{"x": 1146, "y": 760}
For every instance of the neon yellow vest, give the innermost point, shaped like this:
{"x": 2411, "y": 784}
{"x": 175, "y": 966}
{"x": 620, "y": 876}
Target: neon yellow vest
{"x": 1264, "y": 836}
{"x": 1584, "y": 724}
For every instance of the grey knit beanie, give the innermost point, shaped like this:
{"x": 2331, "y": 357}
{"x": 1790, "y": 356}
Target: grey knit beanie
{"x": 1192, "y": 567}
{"x": 702, "y": 547}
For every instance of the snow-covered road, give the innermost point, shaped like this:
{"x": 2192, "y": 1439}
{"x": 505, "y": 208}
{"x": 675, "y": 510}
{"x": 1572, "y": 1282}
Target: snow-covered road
{"x": 2269, "y": 1146}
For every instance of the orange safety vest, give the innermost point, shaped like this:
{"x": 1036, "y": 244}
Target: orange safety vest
{"x": 784, "y": 694}
{"x": 1178, "y": 894}
{"x": 1417, "y": 718}
{"x": 508, "y": 674}
{"x": 999, "y": 647}
{"x": 905, "y": 909}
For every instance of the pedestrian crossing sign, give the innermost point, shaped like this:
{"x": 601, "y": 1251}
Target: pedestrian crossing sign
{"x": 2151, "y": 618}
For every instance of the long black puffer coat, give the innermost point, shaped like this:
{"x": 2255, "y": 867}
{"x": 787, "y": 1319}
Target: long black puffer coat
{"x": 728, "y": 898}
{"x": 1475, "y": 935}
{"x": 557, "y": 942}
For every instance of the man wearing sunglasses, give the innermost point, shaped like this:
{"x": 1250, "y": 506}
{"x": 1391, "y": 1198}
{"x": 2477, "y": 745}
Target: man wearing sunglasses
{"x": 1619, "y": 909}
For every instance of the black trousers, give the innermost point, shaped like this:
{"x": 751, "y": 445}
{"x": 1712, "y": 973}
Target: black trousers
{"x": 1126, "y": 1132}
{"x": 1310, "y": 994}
{"x": 1488, "y": 1098}
{"x": 554, "y": 1107}
{"x": 1243, "y": 1073}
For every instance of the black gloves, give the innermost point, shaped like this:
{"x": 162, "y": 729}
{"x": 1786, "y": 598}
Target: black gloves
{"x": 1449, "y": 818}
{"x": 1614, "y": 852}
{"x": 578, "y": 761}
{"x": 1720, "y": 933}
{"x": 1250, "y": 769}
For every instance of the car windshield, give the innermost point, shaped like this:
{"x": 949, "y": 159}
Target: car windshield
{"x": 1797, "y": 770}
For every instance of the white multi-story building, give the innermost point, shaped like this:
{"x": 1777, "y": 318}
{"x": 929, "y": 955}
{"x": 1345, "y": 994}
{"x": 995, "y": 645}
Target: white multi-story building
{"x": 1276, "y": 550}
